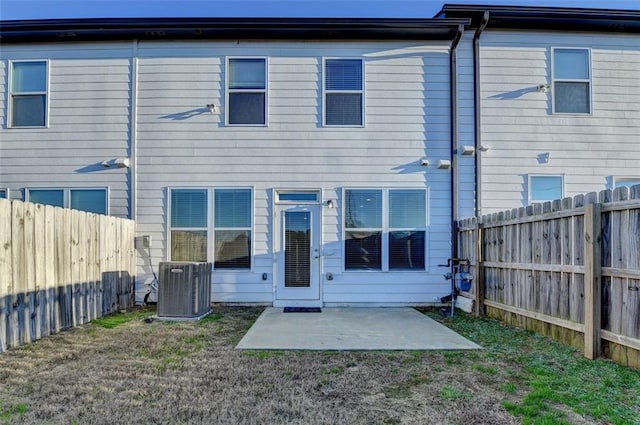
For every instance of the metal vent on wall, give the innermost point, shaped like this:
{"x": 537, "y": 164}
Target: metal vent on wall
{"x": 184, "y": 290}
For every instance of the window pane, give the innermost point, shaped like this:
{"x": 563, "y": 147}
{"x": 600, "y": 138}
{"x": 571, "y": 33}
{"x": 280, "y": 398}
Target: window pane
{"x": 623, "y": 182}
{"x": 189, "y": 245}
{"x": 246, "y": 108}
{"x": 406, "y": 250}
{"x": 407, "y": 208}
{"x": 363, "y": 250}
{"x": 29, "y": 77}
{"x": 47, "y": 197}
{"x": 343, "y": 74}
{"x": 233, "y": 208}
{"x": 28, "y": 111}
{"x": 571, "y": 64}
{"x": 343, "y": 109}
{"x": 189, "y": 208}
{"x": 363, "y": 209}
{"x": 546, "y": 188}
{"x": 246, "y": 73}
{"x": 312, "y": 197}
{"x": 571, "y": 97}
{"x": 232, "y": 249}
{"x": 94, "y": 201}
{"x": 3, "y": 194}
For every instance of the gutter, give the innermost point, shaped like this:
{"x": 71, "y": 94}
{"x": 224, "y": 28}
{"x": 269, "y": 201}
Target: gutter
{"x": 477, "y": 130}
{"x": 453, "y": 111}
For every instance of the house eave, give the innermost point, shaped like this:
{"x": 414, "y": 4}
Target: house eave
{"x": 546, "y": 18}
{"x": 60, "y": 30}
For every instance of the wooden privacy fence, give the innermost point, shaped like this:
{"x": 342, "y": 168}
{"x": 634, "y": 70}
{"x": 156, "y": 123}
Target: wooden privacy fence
{"x": 60, "y": 268}
{"x": 569, "y": 269}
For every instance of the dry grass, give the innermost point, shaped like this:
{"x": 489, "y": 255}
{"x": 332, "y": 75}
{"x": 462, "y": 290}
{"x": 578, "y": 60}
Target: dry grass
{"x": 120, "y": 371}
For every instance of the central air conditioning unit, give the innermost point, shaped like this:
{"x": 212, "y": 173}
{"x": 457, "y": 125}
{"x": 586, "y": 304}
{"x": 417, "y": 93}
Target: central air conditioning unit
{"x": 184, "y": 290}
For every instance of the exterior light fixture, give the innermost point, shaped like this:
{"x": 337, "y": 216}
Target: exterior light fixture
{"x": 329, "y": 203}
{"x": 444, "y": 164}
{"x": 543, "y": 88}
{"x": 424, "y": 162}
{"x": 212, "y": 107}
{"x": 466, "y": 150}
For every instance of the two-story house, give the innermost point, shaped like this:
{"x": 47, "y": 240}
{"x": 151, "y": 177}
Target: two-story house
{"x": 310, "y": 160}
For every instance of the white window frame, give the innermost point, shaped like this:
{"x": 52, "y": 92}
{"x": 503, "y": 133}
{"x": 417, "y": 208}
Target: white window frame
{"x": 325, "y": 91}
{"x": 12, "y": 94}
{"x": 386, "y": 229}
{"x": 624, "y": 179}
{"x": 66, "y": 195}
{"x": 5, "y": 190}
{"x": 529, "y": 191}
{"x": 211, "y": 228}
{"x": 265, "y": 91}
{"x": 587, "y": 80}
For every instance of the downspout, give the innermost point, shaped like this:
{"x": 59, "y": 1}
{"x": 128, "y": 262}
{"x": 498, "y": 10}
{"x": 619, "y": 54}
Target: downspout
{"x": 477, "y": 131}
{"x": 453, "y": 89}
{"x": 133, "y": 134}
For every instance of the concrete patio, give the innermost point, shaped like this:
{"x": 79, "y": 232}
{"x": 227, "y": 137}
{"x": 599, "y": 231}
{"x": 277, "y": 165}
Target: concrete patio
{"x": 351, "y": 329}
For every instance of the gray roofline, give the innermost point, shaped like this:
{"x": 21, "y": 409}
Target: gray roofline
{"x": 546, "y": 18}
{"x": 227, "y": 28}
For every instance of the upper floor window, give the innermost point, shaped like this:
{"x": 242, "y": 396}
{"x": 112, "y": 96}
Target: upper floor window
{"x": 217, "y": 218}
{"x": 28, "y": 92}
{"x": 545, "y": 188}
{"x": 571, "y": 81}
{"x": 89, "y": 200}
{"x": 385, "y": 229}
{"x": 343, "y": 92}
{"x": 247, "y": 91}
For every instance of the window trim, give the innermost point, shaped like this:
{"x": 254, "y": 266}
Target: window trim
{"x": 211, "y": 224}
{"x": 529, "y": 191}
{"x": 11, "y": 94}
{"x": 325, "y": 91}
{"x": 386, "y": 229}
{"x": 227, "y": 91}
{"x": 66, "y": 195}
{"x": 589, "y": 81}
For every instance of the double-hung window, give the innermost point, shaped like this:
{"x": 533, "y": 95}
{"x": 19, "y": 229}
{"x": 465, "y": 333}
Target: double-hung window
{"x": 246, "y": 91}
{"x": 544, "y": 188}
{"x": 343, "y": 92}
{"x": 385, "y": 229}
{"x": 94, "y": 200}
{"x": 28, "y": 94}
{"x": 211, "y": 223}
{"x": 571, "y": 81}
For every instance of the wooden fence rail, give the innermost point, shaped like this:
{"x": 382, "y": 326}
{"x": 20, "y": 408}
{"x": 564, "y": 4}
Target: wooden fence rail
{"x": 60, "y": 268}
{"x": 569, "y": 269}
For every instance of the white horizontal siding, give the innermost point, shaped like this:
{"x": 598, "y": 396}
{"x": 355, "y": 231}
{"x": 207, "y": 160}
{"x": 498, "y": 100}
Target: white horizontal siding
{"x": 517, "y": 123}
{"x": 181, "y": 143}
{"x": 89, "y": 108}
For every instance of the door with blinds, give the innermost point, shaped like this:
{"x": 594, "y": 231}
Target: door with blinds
{"x": 298, "y": 254}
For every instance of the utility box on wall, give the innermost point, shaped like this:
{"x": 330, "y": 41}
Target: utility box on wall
{"x": 184, "y": 290}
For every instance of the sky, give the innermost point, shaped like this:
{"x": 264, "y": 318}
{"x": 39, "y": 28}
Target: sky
{"x": 54, "y": 9}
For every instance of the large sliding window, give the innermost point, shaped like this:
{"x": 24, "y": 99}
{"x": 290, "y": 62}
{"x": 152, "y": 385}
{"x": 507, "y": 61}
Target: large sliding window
{"x": 28, "y": 93}
{"x": 343, "y": 92}
{"x": 247, "y": 91}
{"x": 212, "y": 225}
{"x": 94, "y": 200}
{"x": 385, "y": 229}
{"x": 571, "y": 81}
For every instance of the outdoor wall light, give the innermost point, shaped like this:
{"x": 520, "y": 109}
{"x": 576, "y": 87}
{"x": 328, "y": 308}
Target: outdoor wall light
{"x": 424, "y": 162}
{"x": 212, "y": 107}
{"x": 483, "y": 148}
{"x": 466, "y": 150}
{"x": 543, "y": 88}
{"x": 444, "y": 164}
{"x": 329, "y": 203}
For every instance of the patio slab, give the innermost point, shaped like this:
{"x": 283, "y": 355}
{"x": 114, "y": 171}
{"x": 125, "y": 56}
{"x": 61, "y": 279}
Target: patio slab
{"x": 351, "y": 329}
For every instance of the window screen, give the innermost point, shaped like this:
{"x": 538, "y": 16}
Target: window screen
{"x": 343, "y": 92}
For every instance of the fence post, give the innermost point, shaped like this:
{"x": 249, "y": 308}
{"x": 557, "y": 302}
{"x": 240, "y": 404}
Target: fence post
{"x": 592, "y": 281}
{"x": 479, "y": 301}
